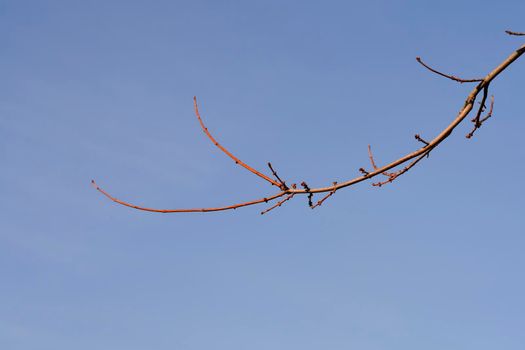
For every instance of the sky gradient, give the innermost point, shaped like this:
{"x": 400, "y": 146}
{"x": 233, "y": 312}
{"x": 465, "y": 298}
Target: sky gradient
{"x": 103, "y": 90}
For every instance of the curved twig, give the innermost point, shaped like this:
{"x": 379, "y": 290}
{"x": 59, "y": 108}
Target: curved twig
{"x": 459, "y": 80}
{"x": 193, "y": 210}
{"x": 228, "y": 153}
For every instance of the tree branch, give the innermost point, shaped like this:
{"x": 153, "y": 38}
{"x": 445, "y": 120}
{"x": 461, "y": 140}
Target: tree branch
{"x": 412, "y": 158}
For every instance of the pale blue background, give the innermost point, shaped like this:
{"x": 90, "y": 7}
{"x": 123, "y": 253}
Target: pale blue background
{"x": 103, "y": 90}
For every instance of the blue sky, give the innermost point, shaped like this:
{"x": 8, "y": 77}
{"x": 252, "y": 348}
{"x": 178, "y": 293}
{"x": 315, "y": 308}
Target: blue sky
{"x": 103, "y": 90}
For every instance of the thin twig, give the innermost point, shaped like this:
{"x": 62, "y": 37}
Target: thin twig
{"x": 194, "y": 210}
{"x": 482, "y": 105}
{"x": 481, "y": 108}
{"x": 320, "y": 202}
{"x": 228, "y": 153}
{"x": 509, "y": 32}
{"x": 278, "y": 204}
{"x": 372, "y": 161}
{"x": 420, "y": 139}
{"x": 459, "y": 80}
{"x": 283, "y": 184}
{"x": 395, "y": 175}
{"x": 363, "y": 171}
{"x": 479, "y": 122}
{"x": 491, "y": 109}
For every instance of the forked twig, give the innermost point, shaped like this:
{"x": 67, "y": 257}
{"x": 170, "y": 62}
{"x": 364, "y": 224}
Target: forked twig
{"x": 395, "y": 175}
{"x": 479, "y": 122}
{"x": 412, "y": 158}
{"x": 278, "y": 204}
{"x": 372, "y": 161}
{"x": 320, "y": 202}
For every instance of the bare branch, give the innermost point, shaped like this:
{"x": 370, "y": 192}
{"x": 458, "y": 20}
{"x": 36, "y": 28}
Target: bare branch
{"x": 459, "y": 80}
{"x": 412, "y": 158}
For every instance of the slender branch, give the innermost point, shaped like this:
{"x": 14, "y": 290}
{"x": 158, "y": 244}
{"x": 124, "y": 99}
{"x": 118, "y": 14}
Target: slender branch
{"x": 459, "y": 80}
{"x": 228, "y": 153}
{"x": 194, "y": 210}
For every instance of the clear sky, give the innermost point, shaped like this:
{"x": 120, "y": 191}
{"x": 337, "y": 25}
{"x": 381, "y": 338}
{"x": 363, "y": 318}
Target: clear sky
{"x": 103, "y": 90}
